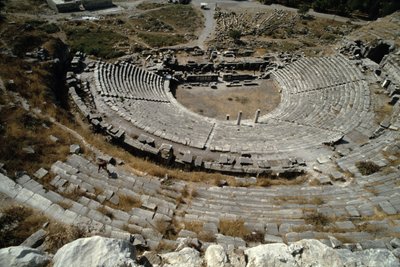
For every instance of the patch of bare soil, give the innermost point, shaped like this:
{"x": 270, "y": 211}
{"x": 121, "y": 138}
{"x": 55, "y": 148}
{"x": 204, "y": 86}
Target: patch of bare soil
{"x": 217, "y": 103}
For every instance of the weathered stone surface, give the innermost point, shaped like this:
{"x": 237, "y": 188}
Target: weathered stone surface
{"x": 314, "y": 253}
{"x": 186, "y": 233}
{"x": 269, "y": 255}
{"x": 96, "y": 251}
{"x": 150, "y": 258}
{"x": 272, "y": 239}
{"x": 215, "y": 256}
{"x": 40, "y": 173}
{"x": 23, "y": 257}
{"x": 334, "y": 242}
{"x": 74, "y": 149}
{"x": 35, "y": 240}
{"x": 187, "y": 257}
{"x": 370, "y": 257}
{"x": 395, "y": 242}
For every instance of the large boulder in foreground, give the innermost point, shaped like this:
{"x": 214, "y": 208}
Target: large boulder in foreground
{"x": 314, "y": 253}
{"x": 277, "y": 255}
{"x": 23, "y": 257}
{"x": 96, "y": 251}
{"x": 215, "y": 256}
{"x": 187, "y": 257}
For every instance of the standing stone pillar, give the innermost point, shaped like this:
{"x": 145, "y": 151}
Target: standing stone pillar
{"x": 227, "y": 117}
{"x": 239, "y": 118}
{"x": 256, "y": 116}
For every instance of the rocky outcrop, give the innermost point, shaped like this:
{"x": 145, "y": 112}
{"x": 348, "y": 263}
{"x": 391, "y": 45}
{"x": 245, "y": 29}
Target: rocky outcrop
{"x": 23, "y": 257}
{"x": 187, "y": 257}
{"x": 215, "y": 256}
{"x": 314, "y": 253}
{"x": 96, "y": 251}
{"x": 101, "y": 251}
{"x": 269, "y": 255}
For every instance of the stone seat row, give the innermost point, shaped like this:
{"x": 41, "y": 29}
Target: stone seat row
{"x": 71, "y": 178}
{"x": 128, "y": 81}
{"x": 269, "y": 137}
{"x": 370, "y": 151}
{"x": 308, "y": 74}
{"x": 146, "y": 190}
{"x": 339, "y": 108}
{"x": 83, "y": 213}
{"x": 164, "y": 120}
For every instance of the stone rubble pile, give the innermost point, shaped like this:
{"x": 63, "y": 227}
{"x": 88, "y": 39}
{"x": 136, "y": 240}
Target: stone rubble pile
{"x": 107, "y": 252}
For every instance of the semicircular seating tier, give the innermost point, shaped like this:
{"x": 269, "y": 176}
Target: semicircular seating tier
{"x": 322, "y": 100}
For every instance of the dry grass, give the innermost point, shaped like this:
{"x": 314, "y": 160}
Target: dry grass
{"x": 188, "y": 193}
{"x": 164, "y": 246}
{"x": 162, "y": 226}
{"x": 23, "y": 130}
{"x": 17, "y": 223}
{"x": 367, "y": 167}
{"x": 383, "y": 111}
{"x": 194, "y": 226}
{"x": 256, "y": 237}
{"x": 127, "y": 202}
{"x": 370, "y": 228}
{"x": 60, "y": 234}
{"x": 233, "y": 228}
{"x": 206, "y": 236}
{"x": 270, "y": 180}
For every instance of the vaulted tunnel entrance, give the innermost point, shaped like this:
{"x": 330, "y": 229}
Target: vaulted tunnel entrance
{"x": 377, "y": 53}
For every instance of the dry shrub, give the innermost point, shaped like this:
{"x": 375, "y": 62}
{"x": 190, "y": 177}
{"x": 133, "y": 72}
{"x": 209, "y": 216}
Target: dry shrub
{"x": 127, "y": 202}
{"x": 194, "y": 226}
{"x": 189, "y": 192}
{"x": 317, "y": 219}
{"x": 165, "y": 246}
{"x": 271, "y": 181}
{"x": 129, "y": 229}
{"x": 367, "y": 167}
{"x": 162, "y": 226}
{"x": 233, "y": 228}
{"x": 17, "y": 223}
{"x": 59, "y": 234}
{"x": 316, "y": 201}
{"x": 256, "y": 237}
{"x": 206, "y": 236}
{"x": 369, "y": 228}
